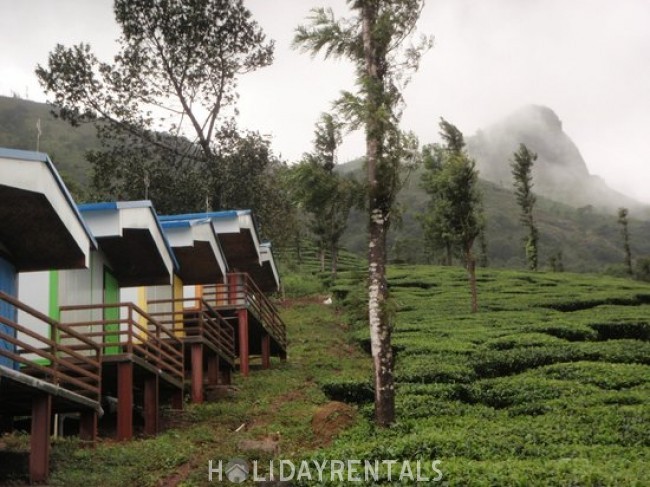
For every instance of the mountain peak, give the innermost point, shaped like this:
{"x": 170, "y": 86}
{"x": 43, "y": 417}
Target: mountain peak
{"x": 538, "y": 115}
{"x": 560, "y": 172}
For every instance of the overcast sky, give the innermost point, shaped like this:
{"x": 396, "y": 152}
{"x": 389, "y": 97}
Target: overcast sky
{"x": 588, "y": 60}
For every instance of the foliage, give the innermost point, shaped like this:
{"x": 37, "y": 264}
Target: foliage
{"x": 522, "y": 167}
{"x": 643, "y": 269}
{"x": 164, "y": 107}
{"x": 325, "y": 195}
{"x": 373, "y": 41}
{"x": 625, "y": 233}
{"x": 454, "y": 216}
{"x": 546, "y": 386}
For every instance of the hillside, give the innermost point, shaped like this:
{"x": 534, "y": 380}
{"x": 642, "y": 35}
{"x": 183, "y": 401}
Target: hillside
{"x": 573, "y": 218}
{"x": 589, "y": 239}
{"x": 576, "y": 212}
{"x": 547, "y": 385}
{"x": 66, "y": 145}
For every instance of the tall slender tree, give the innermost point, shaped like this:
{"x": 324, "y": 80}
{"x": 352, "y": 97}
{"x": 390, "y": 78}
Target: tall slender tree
{"x": 522, "y": 171}
{"x": 372, "y": 40}
{"x": 625, "y": 233}
{"x": 324, "y": 194}
{"x": 455, "y": 212}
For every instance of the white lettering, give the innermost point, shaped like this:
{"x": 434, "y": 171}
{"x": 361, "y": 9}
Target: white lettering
{"x": 406, "y": 471}
{"x": 434, "y": 467}
{"x": 370, "y": 471}
{"x": 336, "y": 468}
{"x": 212, "y": 470}
{"x": 352, "y": 471}
{"x": 420, "y": 477}
{"x": 289, "y": 464}
{"x": 390, "y": 464}
{"x": 304, "y": 471}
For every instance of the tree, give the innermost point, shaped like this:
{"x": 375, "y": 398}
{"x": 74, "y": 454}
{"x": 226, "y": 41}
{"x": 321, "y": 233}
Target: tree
{"x": 168, "y": 98}
{"x": 326, "y": 196}
{"x": 455, "y": 213}
{"x": 372, "y": 39}
{"x": 622, "y": 221}
{"x": 522, "y": 166}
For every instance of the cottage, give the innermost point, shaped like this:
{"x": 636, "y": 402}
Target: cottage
{"x": 208, "y": 338}
{"x": 251, "y": 273}
{"x": 41, "y": 229}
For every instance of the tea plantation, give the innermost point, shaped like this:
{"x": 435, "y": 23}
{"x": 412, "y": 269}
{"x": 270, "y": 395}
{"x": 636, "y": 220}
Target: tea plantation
{"x": 548, "y": 384}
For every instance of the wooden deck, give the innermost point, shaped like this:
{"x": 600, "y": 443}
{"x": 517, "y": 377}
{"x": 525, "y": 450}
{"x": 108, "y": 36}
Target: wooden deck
{"x": 47, "y": 377}
{"x": 141, "y": 361}
{"x": 260, "y": 329}
{"x": 208, "y": 338}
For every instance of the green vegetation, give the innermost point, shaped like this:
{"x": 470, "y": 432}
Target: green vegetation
{"x": 547, "y": 385}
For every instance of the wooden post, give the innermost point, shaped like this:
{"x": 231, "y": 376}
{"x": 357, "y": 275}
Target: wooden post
{"x": 177, "y": 399}
{"x": 124, "y": 400}
{"x": 266, "y": 351}
{"x": 88, "y": 426}
{"x": 233, "y": 288}
{"x": 242, "y": 319}
{"x": 151, "y": 405}
{"x": 197, "y": 373}
{"x": 226, "y": 378}
{"x": 213, "y": 369}
{"x": 39, "y": 457}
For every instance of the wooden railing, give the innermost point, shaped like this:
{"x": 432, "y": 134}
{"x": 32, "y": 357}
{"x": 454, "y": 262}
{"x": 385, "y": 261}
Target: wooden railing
{"x": 47, "y": 358}
{"x": 241, "y": 291}
{"x": 130, "y": 331}
{"x": 194, "y": 317}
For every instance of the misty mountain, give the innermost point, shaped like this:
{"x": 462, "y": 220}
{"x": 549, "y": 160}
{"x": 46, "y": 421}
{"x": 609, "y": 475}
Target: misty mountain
{"x": 560, "y": 172}
{"x": 576, "y": 211}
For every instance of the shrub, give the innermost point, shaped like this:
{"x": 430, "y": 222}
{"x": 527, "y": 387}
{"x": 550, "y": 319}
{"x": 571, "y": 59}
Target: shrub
{"x": 348, "y": 390}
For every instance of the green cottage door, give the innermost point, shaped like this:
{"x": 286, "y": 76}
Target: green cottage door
{"x": 111, "y": 315}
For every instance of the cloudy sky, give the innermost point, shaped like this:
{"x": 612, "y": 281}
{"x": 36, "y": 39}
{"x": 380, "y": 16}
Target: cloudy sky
{"x": 589, "y": 60}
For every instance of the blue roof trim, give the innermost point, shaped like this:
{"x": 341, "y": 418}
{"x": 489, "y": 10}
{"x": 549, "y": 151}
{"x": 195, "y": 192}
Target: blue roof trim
{"x": 44, "y": 158}
{"x": 123, "y": 205}
{"x": 177, "y": 224}
{"x": 84, "y": 207}
{"x": 202, "y": 216}
{"x": 26, "y": 155}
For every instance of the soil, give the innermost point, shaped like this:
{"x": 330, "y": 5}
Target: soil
{"x": 331, "y": 419}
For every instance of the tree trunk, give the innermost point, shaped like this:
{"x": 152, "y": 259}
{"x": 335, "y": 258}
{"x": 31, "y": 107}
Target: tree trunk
{"x": 322, "y": 259}
{"x": 380, "y": 328}
{"x": 335, "y": 261}
{"x": 471, "y": 274}
{"x": 449, "y": 257}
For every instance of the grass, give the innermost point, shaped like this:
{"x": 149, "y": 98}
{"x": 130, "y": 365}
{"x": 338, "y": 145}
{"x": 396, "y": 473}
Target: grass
{"x": 282, "y": 400}
{"x": 549, "y": 384}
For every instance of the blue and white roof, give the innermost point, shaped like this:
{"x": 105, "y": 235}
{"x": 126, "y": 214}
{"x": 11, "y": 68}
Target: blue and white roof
{"x": 197, "y": 249}
{"x": 40, "y": 227}
{"x": 131, "y": 236}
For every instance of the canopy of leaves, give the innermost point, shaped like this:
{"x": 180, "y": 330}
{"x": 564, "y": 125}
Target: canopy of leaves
{"x": 454, "y": 214}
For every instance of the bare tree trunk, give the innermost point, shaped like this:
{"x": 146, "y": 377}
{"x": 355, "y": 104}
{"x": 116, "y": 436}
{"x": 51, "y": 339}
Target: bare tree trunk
{"x": 380, "y": 327}
{"x": 471, "y": 274}
{"x": 322, "y": 259}
{"x": 335, "y": 260}
{"x": 449, "y": 258}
